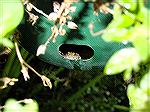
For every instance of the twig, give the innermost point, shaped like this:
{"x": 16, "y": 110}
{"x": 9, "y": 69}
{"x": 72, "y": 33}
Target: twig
{"x": 121, "y": 107}
{"x": 37, "y": 10}
{"x": 25, "y": 66}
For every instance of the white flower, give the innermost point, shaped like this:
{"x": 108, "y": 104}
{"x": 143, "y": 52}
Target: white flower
{"x": 41, "y": 50}
{"x": 29, "y": 7}
{"x": 53, "y": 16}
{"x": 66, "y": 12}
{"x": 56, "y": 6}
{"x": 62, "y": 32}
{"x": 72, "y": 25}
{"x": 46, "y": 81}
{"x": 72, "y": 9}
{"x": 24, "y": 71}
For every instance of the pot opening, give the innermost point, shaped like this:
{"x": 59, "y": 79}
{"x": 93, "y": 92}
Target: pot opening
{"x": 73, "y": 52}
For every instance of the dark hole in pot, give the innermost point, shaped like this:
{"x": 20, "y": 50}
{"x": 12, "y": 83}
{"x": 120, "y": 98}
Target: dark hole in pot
{"x": 83, "y": 51}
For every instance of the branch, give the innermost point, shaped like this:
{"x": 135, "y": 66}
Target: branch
{"x": 25, "y": 66}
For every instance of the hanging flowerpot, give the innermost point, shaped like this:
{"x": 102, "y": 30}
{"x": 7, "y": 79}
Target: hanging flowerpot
{"x": 76, "y": 47}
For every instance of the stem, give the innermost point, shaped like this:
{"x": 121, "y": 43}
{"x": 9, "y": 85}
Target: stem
{"x": 18, "y": 53}
{"x": 46, "y": 81}
{"x": 22, "y": 62}
{"x": 121, "y": 107}
{"x": 39, "y": 11}
{"x": 32, "y": 69}
{"x": 52, "y": 35}
{"x": 59, "y": 15}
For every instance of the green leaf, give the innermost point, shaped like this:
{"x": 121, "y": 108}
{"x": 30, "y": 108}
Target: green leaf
{"x": 138, "y": 99}
{"x": 141, "y": 42}
{"x": 119, "y": 29}
{"x": 139, "y": 95}
{"x": 143, "y": 15}
{"x": 117, "y": 35}
{"x": 122, "y": 21}
{"x": 128, "y": 4}
{"x": 12, "y": 105}
{"x": 117, "y": 11}
{"x": 145, "y": 83}
{"x": 127, "y": 74}
{"x": 6, "y": 42}
{"x": 11, "y": 13}
{"x": 126, "y": 58}
{"x": 31, "y": 107}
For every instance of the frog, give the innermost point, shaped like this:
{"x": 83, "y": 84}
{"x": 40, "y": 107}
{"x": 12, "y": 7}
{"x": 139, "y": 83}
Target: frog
{"x": 72, "y": 56}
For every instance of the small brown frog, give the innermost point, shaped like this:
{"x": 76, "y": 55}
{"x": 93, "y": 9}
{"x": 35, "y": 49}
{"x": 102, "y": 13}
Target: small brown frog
{"x": 72, "y": 56}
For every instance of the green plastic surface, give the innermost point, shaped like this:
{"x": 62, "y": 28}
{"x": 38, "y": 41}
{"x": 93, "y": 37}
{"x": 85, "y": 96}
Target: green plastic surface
{"x": 33, "y": 36}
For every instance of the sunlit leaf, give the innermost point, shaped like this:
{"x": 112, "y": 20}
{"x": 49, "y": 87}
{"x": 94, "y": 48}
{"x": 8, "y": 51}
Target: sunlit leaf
{"x": 145, "y": 83}
{"x": 12, "y": 105}
{"x": 119, "y": 29}
{"x": 141, "y": 42}
{"x": 126, "y": 58}
{"x": 138, "y": 99}
{"x": 127, "y": 74}
{"x": 128, "y": 4}
{"x": 31, "y": 107}
{"x": 122, "y": 21}
{"x": 117, "y": 11}
{"x": 6, "y": 42}
{"x": 116, "y": 34}
{"x": 10, "y": 15}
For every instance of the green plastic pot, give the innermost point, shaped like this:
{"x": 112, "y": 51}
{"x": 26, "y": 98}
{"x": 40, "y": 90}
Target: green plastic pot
{"x": 94, "y": 51}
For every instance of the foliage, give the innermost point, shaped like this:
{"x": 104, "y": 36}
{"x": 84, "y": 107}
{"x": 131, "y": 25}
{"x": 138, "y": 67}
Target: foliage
{"x": 130, "y": 24}
{"x": 15, "y": 106}
{"x": 137, "y": 102}
{"x": 78, "y": 90}
{"x": 119, "y": 62}
{"x": 8, "y": 22}
{"x": 75, "y": 90}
